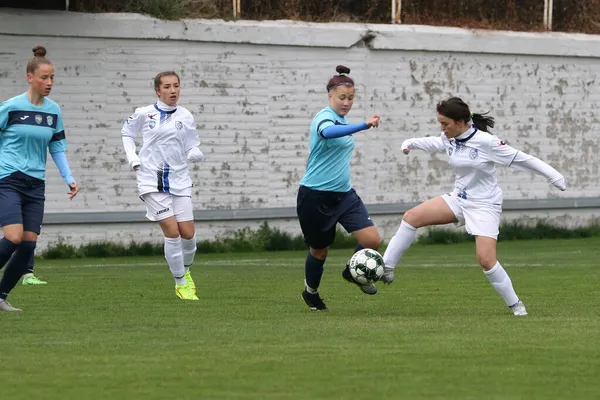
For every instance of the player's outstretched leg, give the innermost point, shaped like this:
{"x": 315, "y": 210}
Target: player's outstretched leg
{"x": 401, "y": 241}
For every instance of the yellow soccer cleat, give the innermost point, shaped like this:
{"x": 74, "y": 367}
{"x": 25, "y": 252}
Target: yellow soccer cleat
{"x": 190, "y": 281}
{"x": 185, "y": 292}
{"x": 30, "y": 279}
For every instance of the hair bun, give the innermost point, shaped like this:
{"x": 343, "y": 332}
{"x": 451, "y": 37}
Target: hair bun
{"x": 39, "y": 51}
{"x": 342, "y": 69}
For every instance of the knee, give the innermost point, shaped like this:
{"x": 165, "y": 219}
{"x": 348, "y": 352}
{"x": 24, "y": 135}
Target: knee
{"x": 486, "y": 261}
{"x": 372, "y": 242}
{"x": 16, "y": 238}
{"x": 187, "y": 235}
{"x": 413, "y": 217}
{"x": 319, "y": 254}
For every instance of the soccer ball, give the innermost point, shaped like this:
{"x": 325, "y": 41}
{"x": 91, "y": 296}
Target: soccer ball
{"x": 366, "y": 266}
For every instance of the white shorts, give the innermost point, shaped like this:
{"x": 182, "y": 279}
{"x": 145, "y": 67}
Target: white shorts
{"x": 480, "y": 219}
{"x": 160, "y": 206}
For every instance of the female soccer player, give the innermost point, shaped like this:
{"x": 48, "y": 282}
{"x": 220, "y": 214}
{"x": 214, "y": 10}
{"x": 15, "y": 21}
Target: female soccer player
{"x": 30, "y": 126}
{"x": 326, "y": 196}
{"x": 170, "y": 142}
{"x": 476, "y": 200}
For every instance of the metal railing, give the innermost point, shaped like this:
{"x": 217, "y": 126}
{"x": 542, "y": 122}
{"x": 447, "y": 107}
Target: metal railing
{"x": 396, "y": 12}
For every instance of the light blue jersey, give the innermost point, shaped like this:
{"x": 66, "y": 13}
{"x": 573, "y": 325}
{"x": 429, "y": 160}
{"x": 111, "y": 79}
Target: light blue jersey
{"x": 27, "y": 132}
{"x": 328, "y": 166}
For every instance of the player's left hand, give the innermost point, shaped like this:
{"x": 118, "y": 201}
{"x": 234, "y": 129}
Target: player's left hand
{"x": 74, "y": 190}
{"x": 560, "y": 184}
{"x": 374, "y": 121}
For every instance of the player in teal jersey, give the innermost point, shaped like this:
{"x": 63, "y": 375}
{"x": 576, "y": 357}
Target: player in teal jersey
{"x": 30, "y": 126}
{"x": 326, "y": 196}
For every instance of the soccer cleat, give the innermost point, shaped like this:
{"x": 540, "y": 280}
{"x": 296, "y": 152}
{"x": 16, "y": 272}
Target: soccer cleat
{"x": 32, "y": 280}
{"x": 5, "y": 306}
{"x": 388, "y": 276}
{"x": 519, "y": 309}
{"x": 185, "y": 292}
{"x": 190, "y": 281}
{"x": 367, "y": 288}
{"x": 313, "y": 301}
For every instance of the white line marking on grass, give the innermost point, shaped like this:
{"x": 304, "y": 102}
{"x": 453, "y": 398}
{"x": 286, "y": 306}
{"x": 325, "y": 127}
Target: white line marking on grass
{"x": 272, "y": 262}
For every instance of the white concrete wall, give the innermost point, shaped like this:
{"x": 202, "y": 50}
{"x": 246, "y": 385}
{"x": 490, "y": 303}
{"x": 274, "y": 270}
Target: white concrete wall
{"x": 255, "y": 86}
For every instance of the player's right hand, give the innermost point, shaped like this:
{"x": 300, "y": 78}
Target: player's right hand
{"x": 134, "y": 164}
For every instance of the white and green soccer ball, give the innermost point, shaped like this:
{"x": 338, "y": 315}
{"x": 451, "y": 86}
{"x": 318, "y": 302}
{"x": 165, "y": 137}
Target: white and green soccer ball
{"x": 366, "y": 266}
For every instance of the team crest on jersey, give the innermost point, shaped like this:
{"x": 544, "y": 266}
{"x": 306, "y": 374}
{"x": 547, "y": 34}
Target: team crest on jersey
{"x": 450, "y": 150}
{"x": 152, "y": 124}
{"x": 49, "y": 120}
{"x": 474, "y": 153}
{"x": 38, "y": 119}
{"x": 178, "y": 125}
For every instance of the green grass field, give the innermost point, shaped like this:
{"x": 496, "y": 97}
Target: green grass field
{"x": 113, "y": 329}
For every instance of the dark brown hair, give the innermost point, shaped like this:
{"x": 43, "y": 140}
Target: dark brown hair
{"x": 160, "y": 75}
{"x": 341, "y": 79}
{"x": 456, "y": 109}
{"x": 39, "y": 58}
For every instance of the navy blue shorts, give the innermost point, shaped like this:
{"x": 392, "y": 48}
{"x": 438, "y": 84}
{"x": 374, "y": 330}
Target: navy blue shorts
{"x": 22, "y": 201}
{"x": 320, "y": 211}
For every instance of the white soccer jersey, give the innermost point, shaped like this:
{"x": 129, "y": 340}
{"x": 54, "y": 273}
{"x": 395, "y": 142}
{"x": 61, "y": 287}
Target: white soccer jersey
{"x": 474, "y": 155}
{"x": 169, "y": 134}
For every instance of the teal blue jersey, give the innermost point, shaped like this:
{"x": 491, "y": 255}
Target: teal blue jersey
{"x": 328, "y": 166}
{"x": 27, "y": 132}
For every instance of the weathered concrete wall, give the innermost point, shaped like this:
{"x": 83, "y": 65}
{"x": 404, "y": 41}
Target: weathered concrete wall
{"x": 255, "y": 86}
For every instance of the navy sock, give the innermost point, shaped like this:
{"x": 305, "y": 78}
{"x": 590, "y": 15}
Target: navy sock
{"x": 358, "y": 247}
{"x": 7, "y": 248}
{"x": 30, "y": 263}
{"x": 16, "y": 267}
{"x": 313, "y": 269}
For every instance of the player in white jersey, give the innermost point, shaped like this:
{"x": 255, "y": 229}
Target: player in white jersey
{"x": 476, "y": 200}
{"x": 170, "y": 142}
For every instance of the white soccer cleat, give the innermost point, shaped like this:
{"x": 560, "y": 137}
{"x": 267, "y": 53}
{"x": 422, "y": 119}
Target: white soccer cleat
{"x": 519, "y": 309}
{"x": 5, "y": 306}
{"x": 388, "y": 275}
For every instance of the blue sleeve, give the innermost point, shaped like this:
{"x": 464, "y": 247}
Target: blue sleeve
{"x": 60, "y": 159}
{"x": 336, "y": 131}
{"x": 3, "y": 116}
{"x": 58, "y": 142}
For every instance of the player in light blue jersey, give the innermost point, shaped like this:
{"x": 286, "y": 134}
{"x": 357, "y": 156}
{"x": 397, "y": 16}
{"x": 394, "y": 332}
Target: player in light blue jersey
{"x": 326, "y": 196}
{"x": 30, "y": 126}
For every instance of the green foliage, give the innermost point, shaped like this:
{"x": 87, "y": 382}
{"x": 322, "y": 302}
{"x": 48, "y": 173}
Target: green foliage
{"x": 443, "y": 236}
{"x": 513, "y": 230}
{"x": 264, "y": 238}
{"x": 102, "y": 249}
{"x": 162, "y": 9}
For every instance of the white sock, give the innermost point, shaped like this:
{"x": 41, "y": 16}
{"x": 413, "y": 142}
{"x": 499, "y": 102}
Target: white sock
{"x": 399, "y": 244}
{"x": 174, "y": 256}
{"x": 309, "y": 289}
{"x": 502, "y": 283}
{"x": 189, "y": 251}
